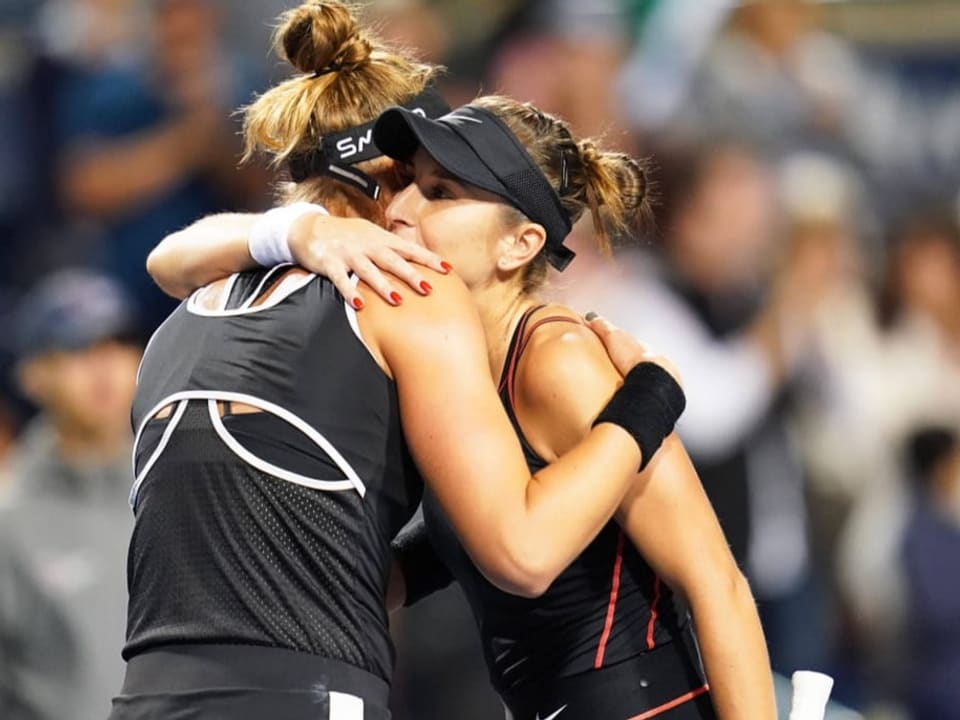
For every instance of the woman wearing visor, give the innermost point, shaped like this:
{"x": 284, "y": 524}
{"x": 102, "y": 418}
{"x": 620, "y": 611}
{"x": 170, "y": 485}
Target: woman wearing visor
{"x": 277, "y": 432}
{"x": 496, "y": 187}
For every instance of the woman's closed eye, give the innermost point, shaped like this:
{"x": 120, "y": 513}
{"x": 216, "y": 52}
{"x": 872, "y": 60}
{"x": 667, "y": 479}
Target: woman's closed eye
{"x": 405, "y": 173}
{"x": 438, "y": 191}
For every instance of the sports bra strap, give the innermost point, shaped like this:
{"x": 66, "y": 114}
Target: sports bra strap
{"x": 511, "y": 359}
{"x": 524, "y": 336}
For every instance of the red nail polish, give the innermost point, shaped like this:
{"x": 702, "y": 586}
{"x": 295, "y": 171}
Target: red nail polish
{"x": 426, "y": 287}
{"x": 395, "y": 297}
{"x": 358, "y": 303}
{"x": 446, "y": 266}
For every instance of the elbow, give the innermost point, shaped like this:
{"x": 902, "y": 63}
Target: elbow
{"x": 739, "y": 587}
{"x": 522, "y": 581}
{"x": 522, "y": 571}
{"x": 726, "y": 588}
{"x": 530, "y": 582}
{"x": 160, "y": 267}
{"x": 156, "y": 261}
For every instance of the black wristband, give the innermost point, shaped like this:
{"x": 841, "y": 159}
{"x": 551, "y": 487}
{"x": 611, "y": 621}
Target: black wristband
{"x": 647, "y": 406}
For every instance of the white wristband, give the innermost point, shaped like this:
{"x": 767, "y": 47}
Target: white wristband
{"x": 269, "y": 243}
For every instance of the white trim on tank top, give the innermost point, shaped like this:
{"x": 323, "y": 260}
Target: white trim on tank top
{"x": 161, "y": 446}
{"x": 355, "y": 325}
{"x": 262, "y": 465}
{"x": 353, "y": 479}
{"x": 263, "y": 282}
{"x": 194, "y": 308}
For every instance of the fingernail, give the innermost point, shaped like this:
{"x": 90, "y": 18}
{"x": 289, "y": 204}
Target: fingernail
{"x": 590, "y": 316}
{"x": 358, "y": 303}
{"x": 446, "y": 266}
{"x": 426, "y": 287}
{"x": 395, "y": 297}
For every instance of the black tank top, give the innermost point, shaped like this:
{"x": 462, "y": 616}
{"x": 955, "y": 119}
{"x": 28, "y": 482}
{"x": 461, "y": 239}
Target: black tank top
{"x": 273, "y": 528}
{"x": 606, "y": 607}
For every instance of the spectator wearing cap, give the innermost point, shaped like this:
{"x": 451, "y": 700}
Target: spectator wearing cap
{"x": 77, "y": 362}
{"x": 65, "y": 526}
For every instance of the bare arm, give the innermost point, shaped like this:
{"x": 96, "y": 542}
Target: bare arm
{"x": 666, "y": 515}
{"x": 670, "y": 520}
{"x": 105, "y": 178}
{"x": 208, "y": 250}
{"x": 520, "y": 530}
{"x": 217, "y": 246}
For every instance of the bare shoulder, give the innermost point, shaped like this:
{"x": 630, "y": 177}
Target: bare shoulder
{"x": 450, "y": 300}
{"x": 444, "y": 321}
{"x": 562, "y": 357}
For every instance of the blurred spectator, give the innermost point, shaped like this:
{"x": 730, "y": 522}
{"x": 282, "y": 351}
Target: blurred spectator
{"x": 412, "y": 24}
{"x": 26, "y": 153}
{"x": 37, "y": 659}
{"x": 771, "y": 75}
{"x": 922, "y": 295}
{"x": 148, "y": 143}
{"x": 880, "y": 382}
{"x": 931, "y": 557}
{"x": 67, "y": 522}
{"x": 769, "y": 72}
{"x": 564, "y": 58}
{"x": 863, "y": 390}
{"x": 736, "y": 337}
{"x": 8, "y": 429}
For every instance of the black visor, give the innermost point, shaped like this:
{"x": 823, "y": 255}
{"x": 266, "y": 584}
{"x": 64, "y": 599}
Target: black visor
{"x": 339, "y": 151}
{"x": 477, "y": 147}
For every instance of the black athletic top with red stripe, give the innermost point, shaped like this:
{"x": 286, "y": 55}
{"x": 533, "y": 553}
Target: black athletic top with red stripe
{"x": 608, "y": 606}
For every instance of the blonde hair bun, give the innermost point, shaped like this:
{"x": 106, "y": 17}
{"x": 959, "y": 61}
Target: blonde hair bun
{"x": 320, "y": 37}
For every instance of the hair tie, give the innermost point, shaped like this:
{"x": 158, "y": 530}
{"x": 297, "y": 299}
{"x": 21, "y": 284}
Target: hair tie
{"x": 563, "y": 173}
{"x": 326, "y": 69}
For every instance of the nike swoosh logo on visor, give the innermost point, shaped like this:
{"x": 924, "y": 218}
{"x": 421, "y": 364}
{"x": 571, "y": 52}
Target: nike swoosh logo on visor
{"x": 454, "y": 118}
{"x": 551, "y": 716}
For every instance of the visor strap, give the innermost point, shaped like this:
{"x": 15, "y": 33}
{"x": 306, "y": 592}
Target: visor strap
{"x": 357, "y": 178}
{"x": 559, "y": 256}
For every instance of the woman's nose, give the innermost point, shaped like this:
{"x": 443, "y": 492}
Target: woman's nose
{"x": 402, "y": 209}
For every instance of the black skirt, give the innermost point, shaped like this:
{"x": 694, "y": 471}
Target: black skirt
{"x": 223, "y": 682}
{"x": 666, "y": 683}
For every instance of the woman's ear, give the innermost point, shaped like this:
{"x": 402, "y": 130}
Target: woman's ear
{"x": 520, "y": 246}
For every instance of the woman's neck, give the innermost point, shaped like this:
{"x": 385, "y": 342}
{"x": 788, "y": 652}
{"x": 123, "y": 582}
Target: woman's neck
{"x": 500, "y": 307}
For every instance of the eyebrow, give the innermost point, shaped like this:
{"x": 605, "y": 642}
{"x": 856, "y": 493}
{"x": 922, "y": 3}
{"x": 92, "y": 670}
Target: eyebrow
{"x": 444, "y": 174}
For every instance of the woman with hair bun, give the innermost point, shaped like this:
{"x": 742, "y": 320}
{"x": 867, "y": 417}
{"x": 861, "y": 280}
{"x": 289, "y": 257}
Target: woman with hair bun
{"x": 282, "y": 438}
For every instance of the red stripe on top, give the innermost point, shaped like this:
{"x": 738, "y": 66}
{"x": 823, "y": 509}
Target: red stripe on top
{"x": 653, "y": 614}
{"x": 660, "y": 709}
{"x": 612, "y": 605}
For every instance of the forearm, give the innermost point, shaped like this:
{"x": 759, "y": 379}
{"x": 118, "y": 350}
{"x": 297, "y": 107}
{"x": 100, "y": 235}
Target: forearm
{"x": 734, "y": 651}
{"x": 670, "y": 521}
{"x": 207, "y": 250}
{"x": 582, "y": 489}
{"x": 106, "y": 180}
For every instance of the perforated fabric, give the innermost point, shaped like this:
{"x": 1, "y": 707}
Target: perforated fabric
{"x": 226, "y": 552}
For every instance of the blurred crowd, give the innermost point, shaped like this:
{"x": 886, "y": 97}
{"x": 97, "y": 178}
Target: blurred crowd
{"x": 802, "y": 271}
